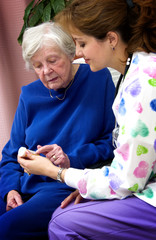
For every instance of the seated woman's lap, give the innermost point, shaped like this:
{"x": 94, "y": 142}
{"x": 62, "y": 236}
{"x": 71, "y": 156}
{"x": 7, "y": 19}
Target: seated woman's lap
{"x": 2, "y": 206}
{"x": 32, "y": 218}
{"x": 128, "y": 219}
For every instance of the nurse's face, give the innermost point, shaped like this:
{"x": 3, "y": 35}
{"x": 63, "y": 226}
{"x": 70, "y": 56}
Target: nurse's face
{"x": 95, "y": 52}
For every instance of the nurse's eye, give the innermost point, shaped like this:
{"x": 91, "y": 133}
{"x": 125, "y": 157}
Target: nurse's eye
{"x": 82, "y": 45}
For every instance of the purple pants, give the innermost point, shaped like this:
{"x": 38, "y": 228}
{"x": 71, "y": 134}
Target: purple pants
{"x": 128, "y": 219}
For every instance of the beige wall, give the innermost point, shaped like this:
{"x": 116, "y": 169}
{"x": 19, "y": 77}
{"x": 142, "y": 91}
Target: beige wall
{"x": 12, "y": 69}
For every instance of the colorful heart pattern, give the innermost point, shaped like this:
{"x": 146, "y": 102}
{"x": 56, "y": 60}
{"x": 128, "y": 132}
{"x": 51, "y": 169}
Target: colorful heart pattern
{"x": 153, "y": 105}
{"x": 136, "y": 60}
{"x": 82, "y": 185}
{"x": 150, "y": 71}
{"x": 138, "y": 107}
{"x": 134, "y": 188}
{"x": 115, "y": 181}
{"x": 106, "y": 171}
{"x": 140, "y": 129}
{"x": 111, "y": 191}
{"x": 141, "y": 170}
{"x": 147, "y": 192}
{"x": 152, "y": 82}
{"x": 122, "y": 109}
{"x": 124, "y": 151}
{"x": 134, "y": 88}
{"x": 141, "y": 150}
{"x": 115, "y": 164}
{"x": 155, "y": 145}
{"x": 123, "y": 130}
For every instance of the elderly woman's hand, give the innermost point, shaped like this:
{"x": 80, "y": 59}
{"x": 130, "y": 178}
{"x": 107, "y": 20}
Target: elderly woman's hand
{"x": 55, "y": 154}
{"x": 14, "y": 200}
{"x": 38, "y": 165}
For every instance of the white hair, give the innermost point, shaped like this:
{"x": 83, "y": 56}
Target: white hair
{"x": 46, "y": 34}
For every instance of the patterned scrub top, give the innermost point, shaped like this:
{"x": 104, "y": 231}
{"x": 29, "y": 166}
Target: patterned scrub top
{"x": 133, "y": 168}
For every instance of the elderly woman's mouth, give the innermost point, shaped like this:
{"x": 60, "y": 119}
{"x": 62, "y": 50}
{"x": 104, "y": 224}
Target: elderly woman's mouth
{"x": 52, "y": 79}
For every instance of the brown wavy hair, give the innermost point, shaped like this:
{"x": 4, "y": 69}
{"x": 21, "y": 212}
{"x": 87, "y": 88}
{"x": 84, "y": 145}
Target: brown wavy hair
{"x": 136, "y": 25}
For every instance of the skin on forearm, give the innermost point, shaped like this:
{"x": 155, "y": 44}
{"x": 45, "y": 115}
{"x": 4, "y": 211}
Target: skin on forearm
{"x": 39, "y": 165}
{"x": 52, "y": 173}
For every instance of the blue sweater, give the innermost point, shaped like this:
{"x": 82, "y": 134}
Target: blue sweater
{"x": 81, "y": 124}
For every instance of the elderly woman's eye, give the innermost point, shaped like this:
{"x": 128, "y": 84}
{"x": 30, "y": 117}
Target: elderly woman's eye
{"x": 37, "y": 66}
{"x": 52, "y": 61}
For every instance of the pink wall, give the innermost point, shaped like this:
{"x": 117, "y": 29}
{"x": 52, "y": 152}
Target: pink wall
{"x": 12, "y": 68}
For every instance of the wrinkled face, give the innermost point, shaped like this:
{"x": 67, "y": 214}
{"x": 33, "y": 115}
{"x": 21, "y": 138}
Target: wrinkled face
{"x": 53, "y": 67}
{"x": 96, "y": 53}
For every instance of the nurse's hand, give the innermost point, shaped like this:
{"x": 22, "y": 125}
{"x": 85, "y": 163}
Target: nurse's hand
{"x": 35, "y": 164}
{"x": 74, "y": 195}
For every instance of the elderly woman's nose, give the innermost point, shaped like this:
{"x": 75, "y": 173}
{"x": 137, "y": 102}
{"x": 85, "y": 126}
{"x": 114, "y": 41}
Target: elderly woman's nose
{"x": 47, "y": 69}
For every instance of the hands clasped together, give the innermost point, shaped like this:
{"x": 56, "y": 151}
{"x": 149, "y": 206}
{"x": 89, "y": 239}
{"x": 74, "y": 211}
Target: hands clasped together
{"x": 36, "y": 164}
{"x": 54, "y": 156}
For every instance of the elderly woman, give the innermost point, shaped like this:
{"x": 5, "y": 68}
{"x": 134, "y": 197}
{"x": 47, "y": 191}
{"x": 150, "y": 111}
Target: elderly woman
{"x": 68, "y": 112}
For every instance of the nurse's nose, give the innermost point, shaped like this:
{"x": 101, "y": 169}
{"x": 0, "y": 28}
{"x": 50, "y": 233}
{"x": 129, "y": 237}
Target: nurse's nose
{"x": 79, "y": 52}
